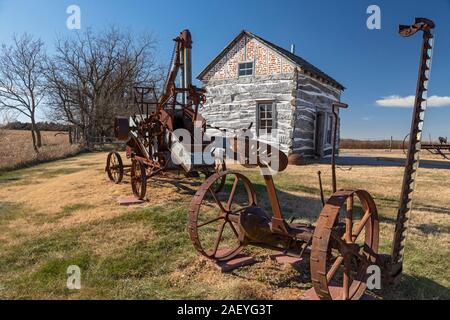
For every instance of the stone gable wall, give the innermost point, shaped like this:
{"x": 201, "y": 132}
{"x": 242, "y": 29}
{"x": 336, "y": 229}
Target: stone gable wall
{"x": 267, "y": 61}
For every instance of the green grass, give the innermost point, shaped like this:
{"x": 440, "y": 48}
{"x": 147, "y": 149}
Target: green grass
{"x": 68, "y": 210}
{"x": 166, "y": 266}
{"x": 10, "y": 211}
{"x": 37, "y": 267}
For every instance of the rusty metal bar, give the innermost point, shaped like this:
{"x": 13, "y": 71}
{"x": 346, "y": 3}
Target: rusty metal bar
{"x": 413, "y": 154}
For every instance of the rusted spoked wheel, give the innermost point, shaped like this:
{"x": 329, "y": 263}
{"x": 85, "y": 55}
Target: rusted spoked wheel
{"x": 114, "y": 167}
{"x": 138, "y": 179}
{"x": 345, "y": 244}
{"x": 214, "y": 217}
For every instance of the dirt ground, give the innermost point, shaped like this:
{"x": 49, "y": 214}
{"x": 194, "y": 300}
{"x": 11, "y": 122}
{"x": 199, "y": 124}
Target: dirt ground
{"x": 66, "y": 213}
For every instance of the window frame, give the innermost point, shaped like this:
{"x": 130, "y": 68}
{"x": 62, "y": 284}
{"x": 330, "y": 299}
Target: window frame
{"x": 273, "y": 118}
{"x": 246, "y": 69}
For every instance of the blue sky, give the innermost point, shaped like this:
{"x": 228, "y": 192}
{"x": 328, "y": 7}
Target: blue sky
{"x": 372, "y": 64}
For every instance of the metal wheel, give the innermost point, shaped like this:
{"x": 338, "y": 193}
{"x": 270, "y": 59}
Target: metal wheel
{"x": 214, "y": 218}
{"x": 404, "y": 145}
{"x": 138, "y": 179}
{"x": 345, "y": 244}
{"x": 114, "y": 167}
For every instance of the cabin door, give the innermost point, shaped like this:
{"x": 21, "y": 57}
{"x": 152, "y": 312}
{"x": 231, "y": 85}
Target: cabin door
{"x": 319, "y": 134}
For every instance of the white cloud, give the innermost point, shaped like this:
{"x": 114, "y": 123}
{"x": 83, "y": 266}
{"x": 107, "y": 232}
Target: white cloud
{"x": 408, "y": 102}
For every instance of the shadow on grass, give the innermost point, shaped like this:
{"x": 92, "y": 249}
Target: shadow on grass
{"x": 183, "y": 185}
{"x": 432, "y": 228}
{"x": 416, "y": 288}
{"x": 277, "y": 276}
{"x": 434, "y": 209}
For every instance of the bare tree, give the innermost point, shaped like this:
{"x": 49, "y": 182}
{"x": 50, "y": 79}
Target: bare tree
{"x": 22, "y": 80}
{"x": 91, "y": 74}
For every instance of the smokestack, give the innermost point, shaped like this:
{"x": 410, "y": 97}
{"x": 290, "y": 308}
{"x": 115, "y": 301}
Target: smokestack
{"x": 293, "y": 48}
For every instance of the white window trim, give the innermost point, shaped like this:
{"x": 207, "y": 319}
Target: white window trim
{"x": 274, "y": 116}
{"x": 247, "y": 75}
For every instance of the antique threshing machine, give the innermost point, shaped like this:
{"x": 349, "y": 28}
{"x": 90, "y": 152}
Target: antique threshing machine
{"x": 152, "y": 140}
{"x": 344, "y": 243}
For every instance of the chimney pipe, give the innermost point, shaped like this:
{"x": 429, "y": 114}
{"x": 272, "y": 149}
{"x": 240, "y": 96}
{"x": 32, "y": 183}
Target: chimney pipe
{"x": 293, "y": 48}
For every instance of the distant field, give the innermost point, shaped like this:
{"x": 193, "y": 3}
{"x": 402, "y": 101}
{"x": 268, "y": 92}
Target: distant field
{"x": 386, "y": 153}
{"x": 65, "y": 213}
{"x": 16, "y": 148}
{"x": 370, "y": 144}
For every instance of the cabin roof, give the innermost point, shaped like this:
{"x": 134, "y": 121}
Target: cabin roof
{"x": 295, "y": 59}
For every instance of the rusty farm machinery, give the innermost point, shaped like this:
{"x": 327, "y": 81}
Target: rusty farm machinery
{"x": 441, "y": 148}
{"x": 151, "y": 137}
{"x": 344, "y": 243}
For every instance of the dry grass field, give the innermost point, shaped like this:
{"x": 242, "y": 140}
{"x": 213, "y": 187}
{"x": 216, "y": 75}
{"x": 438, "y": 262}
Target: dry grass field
{"x": 65, "y": 213}
{"x": 16, "y": 148}
{"x": 385, "y": 153}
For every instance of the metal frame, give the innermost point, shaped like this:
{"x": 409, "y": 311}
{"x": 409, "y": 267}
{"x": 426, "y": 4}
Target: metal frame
{"x": 442, "y": 150}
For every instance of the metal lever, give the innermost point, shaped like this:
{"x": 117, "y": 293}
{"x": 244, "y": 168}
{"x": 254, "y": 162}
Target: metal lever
{"x": 335, "y": 106}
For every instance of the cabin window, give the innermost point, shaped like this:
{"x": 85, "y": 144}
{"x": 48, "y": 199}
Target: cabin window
{"x": 245, "y": 69}
{"x": 266, "y": 118}
{"x": 329, "y": 129}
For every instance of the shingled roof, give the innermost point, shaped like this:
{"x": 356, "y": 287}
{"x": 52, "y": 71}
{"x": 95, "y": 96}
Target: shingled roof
{"x": 298, "y": 61}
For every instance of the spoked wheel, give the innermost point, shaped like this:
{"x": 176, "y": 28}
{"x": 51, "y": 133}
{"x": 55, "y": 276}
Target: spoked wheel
{"x": 114, "y": 167}
{"x": 138, "y": 179}
{"x": 345, "y": 244}
{"x": 214, "y": 218}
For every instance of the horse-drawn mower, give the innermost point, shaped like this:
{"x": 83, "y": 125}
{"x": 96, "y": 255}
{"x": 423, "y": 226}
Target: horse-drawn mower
{"x": 344, "y": 243}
